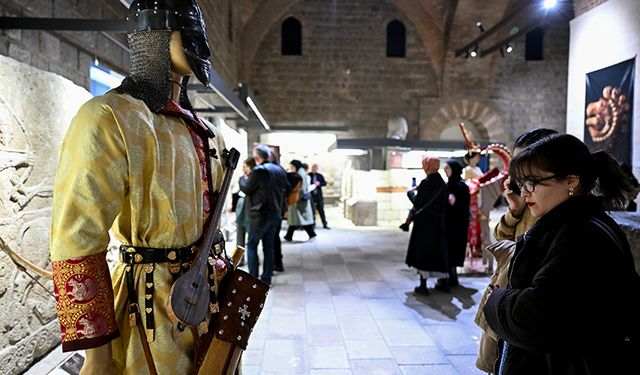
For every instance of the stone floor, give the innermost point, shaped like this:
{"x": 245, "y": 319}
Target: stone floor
{"x": 344, "y": 305}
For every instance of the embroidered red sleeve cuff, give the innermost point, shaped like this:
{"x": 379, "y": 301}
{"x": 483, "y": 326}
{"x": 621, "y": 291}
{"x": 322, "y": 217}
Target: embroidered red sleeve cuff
{"x": 84, "y": 299}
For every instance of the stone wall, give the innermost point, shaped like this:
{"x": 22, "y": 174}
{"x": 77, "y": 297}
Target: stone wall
{"x": 70, "y": 53}
{"x": 343, "y": 76}
{"x": 583, "y": 6}
{"x": 35, "y": 110}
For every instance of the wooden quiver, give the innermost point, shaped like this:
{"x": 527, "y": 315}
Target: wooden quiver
{"x": 241, "y": 298}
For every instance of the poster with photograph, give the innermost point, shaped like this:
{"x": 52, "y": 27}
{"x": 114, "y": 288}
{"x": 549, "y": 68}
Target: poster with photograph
{"x": 609, "y": 109}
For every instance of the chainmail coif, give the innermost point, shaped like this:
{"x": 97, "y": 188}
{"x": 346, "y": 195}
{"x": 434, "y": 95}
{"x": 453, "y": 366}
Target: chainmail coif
{"x": 150, "y": 79}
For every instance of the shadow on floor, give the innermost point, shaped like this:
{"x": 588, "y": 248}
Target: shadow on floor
{"x": 438, "y": 305}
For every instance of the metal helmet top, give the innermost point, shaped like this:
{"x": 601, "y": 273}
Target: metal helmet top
{"x": 176, "y": 15}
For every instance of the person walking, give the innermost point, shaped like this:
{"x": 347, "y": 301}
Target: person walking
{"x": 317, "y": 180}
{"x": 265, "y": 189}
{"x": 242, "y": 220}
{"x": 427, "y": 251}
{"x": 553, "y": 317}
{"x": 300, "y": 214}
{"x": 456, "y": 222}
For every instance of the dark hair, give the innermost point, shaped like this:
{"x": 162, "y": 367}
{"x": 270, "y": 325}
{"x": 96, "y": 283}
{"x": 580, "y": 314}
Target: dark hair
{"x": 296, "y": 163}
{"x": 456, "y": 169}
{"x": 470, "y": 155}
{"x": 305, "y": 166}
{"x": 251, "y": 162}
{"x": 532, "y": 136}
{"x": 262, "y": 151}
{"x": 565, "y": 155}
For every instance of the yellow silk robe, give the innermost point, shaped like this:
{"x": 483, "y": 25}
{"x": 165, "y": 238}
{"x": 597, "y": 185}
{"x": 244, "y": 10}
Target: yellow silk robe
{"x": 126, "y": 169}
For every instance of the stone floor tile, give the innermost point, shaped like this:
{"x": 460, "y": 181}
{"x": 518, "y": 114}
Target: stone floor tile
{"x": 350, "y": 305}
{"x": 328, "y": 357}
{"x": 452, "y": 339}
{"x": 375, "y": 289}
{"x": 333, "y": 371}
{"x": 288, "y": 304}
{"x": 374, "y": 367}
{"x": 337, "y": 274}
{"x": 323, "y": 335}
{"x": 344, "y": 289}
{"x": 389, "y": 308}
{"x": 321, "y": 313}
{"x": 428, "y": 370}
{"x": 319, "y": 286}
{"x": 358, "y": 327}
{"x": 404, "y": 333}
{"x": 367, "y": 349}
{"x": 287, "y": 327}
{"x": 252, "y": 357}
{"x": 418, "y": 355}
{"x": 284, "y": 357}
{"x": 465, "y": 364}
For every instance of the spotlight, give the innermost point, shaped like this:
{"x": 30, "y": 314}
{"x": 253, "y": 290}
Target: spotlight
{"x": 548, "y": 4}
{"x": 479, "y": 25}
{"x": 474, "y": 52}
{"x": 509, "y": 48}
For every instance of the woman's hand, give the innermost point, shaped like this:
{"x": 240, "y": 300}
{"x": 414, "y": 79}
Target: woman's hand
{"x": 99, "y": 361}
{"x": 516, "y": 202}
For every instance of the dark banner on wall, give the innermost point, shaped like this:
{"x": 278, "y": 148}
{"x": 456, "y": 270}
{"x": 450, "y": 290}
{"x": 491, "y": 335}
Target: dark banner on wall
{"x": 609, "y": 108}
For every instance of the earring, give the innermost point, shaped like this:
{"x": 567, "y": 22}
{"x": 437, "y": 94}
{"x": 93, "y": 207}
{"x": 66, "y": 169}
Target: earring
{"x": 571, "y": 191}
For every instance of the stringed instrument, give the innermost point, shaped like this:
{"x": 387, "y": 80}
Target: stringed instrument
{"x": 189, "y": 296}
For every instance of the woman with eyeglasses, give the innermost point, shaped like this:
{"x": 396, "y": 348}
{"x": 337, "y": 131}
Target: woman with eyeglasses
{"x": 572, "y": 304}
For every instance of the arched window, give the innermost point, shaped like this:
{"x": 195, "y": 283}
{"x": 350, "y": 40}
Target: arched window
{"x": 291, "y": 37}
{"x": 396, "y": 39}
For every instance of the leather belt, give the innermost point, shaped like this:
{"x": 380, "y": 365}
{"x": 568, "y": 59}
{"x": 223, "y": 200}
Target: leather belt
{"x": 145, "y": 255}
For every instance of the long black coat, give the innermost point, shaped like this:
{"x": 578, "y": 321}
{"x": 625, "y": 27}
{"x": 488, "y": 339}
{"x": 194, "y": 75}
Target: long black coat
{"x": 457, "y": 221}
{"x": 427, "y": 244}
{"x": 573, "y": 301}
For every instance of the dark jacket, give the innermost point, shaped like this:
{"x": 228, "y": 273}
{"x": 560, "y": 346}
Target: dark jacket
{"x": 266, "y": 188}
{"x": 573, "y": 301}
{"x": 457, "y": 221}
{"x": 427, "y": 244}
{"x": 317, "y": 192}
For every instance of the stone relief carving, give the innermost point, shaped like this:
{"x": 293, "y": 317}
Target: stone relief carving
{"x": 36, "y": 108}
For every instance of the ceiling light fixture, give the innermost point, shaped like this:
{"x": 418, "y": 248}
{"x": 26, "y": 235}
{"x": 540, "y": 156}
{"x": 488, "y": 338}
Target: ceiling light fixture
{"x": 548, "y": 4}
{"x": 474, "y": 52}
{"x": 479, "y": 25}
{"x": 509, "y": 48}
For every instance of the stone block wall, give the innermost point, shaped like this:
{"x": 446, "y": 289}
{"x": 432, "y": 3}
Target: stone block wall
{"x": 70, "y": 53}
{"x": 343, "y": 76}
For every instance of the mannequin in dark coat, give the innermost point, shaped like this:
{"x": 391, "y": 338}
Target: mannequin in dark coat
{"x": 573, "y": 299}
{"x": 456, "y": 221}
{"x": 427, "y": 245}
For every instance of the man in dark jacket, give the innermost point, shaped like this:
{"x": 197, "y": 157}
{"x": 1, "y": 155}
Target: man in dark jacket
{"x": 317, "y": 180}
{"x": 427, "y": 251}
{"x": 265, "y": 189}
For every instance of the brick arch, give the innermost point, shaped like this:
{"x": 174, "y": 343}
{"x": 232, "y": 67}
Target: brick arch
{"x": 272, "y": 11}
{"x": 487, "y": 122}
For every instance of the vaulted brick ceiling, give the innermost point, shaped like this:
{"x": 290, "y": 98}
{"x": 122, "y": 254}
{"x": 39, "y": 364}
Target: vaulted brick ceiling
{"x": 443, "y": 25}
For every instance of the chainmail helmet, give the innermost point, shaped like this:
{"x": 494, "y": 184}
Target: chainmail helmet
{"x": 150, "y": 24}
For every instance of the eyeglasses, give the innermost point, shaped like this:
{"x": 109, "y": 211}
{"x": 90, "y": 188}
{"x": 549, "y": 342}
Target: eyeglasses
{"x": 530, "y": 184}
